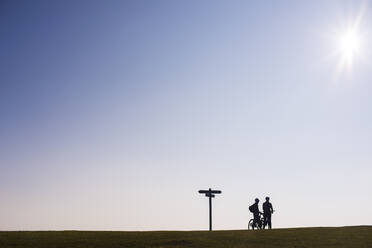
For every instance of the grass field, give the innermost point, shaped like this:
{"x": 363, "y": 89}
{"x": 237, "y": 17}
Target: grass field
{"x": 358, "y": 236}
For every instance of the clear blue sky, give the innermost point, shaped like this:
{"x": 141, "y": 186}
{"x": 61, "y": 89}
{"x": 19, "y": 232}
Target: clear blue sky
{"x": 115, "y": 113}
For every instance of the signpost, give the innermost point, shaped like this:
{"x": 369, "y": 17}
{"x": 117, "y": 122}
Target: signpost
{"x": 210, "y": 194}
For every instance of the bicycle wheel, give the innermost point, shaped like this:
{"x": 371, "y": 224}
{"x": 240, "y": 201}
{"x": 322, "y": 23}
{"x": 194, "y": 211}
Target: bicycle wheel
{"x": 250, "y": 225}
{"x": 262, "y": 223}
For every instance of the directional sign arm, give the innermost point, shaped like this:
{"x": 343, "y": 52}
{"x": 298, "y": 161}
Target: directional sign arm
{"x": 209, "y": 195}
{"x": 210, "y": 191}
{"x": 216, "y": 191}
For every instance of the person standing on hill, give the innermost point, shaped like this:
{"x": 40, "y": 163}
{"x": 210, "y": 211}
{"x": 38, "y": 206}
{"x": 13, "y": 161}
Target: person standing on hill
{"x": 267, "y": 211}
{"x": 256, "y": 214}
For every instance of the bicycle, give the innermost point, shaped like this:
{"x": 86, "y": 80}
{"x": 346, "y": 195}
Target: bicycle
{"x": 260, "y": 223}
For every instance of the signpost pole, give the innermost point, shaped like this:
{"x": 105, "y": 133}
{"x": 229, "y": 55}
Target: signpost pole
{"x": 210, "y": 193}
{"x": 210, "y": 212}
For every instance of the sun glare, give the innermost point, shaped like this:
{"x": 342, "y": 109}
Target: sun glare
{"x": 349, "y": 46}
{"x": 350, "y": 42}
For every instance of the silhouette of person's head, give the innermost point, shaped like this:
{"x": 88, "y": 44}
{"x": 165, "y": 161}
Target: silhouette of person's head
{"x": 256, "y": 200}
{"x": 267, "y": 198}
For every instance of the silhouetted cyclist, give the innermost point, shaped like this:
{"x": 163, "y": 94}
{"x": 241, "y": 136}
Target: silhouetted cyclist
{"x": 256, "y": 214}
{"x": 268, "y": 210}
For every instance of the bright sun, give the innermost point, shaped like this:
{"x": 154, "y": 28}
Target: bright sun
{"x": 350, "y": 41}
{"x": 349, "y": 46}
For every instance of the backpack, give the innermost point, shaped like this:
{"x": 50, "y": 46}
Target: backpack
{"x": 251, "y": 208}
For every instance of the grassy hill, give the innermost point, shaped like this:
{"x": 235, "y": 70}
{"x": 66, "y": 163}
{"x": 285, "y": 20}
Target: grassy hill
{"x": 327, "y": 237}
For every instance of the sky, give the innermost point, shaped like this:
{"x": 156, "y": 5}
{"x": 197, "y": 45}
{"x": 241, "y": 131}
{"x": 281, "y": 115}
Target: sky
{"x": 113, "y": 114}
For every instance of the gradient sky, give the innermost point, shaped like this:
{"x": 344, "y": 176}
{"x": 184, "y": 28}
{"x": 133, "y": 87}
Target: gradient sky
{"x": 115, "y": 113}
